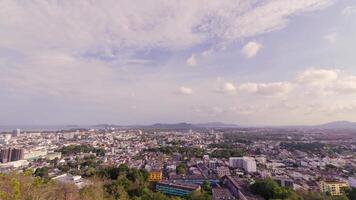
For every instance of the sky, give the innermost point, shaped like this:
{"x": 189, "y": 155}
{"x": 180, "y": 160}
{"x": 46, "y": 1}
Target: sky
{"x": 248, "y": 62}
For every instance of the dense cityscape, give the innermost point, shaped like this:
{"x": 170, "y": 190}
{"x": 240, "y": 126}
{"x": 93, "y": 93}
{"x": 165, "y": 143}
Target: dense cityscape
{"x": 174, "y": 162}
{"x": 177, "y": 100}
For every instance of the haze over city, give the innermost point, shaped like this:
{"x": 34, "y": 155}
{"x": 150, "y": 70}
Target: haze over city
{"x": 276, "y": 62}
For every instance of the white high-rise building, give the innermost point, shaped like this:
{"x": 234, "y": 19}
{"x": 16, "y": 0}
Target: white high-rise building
{"x": 246, "y": 163}
{"x": 249, "y": 164}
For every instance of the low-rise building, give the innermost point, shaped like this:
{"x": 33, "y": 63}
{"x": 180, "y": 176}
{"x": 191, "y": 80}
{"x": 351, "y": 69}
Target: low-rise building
{"x": 175, "y": 188}
{"x": 335, "y": 188}
{"x": 155, "y": 175}
{"x": 70, "y": 179}
{"x": 223, "y": 171}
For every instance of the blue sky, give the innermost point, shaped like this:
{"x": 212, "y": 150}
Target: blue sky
{"x": 250, "y": 62}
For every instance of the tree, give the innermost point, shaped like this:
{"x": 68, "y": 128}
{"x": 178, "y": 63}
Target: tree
{"x": 198, "y": 195}
{"x": 117, "y": 191}
{"x": 15, "y": 187}
{"x": 312, "y": 195}
{"x": 269, "y": 189}
{"x": 351, "y": 193}
{"x": 42, "y": 172}
{"x": 206, "y": 187}
{"x": 181, "y": 169}
{"x": 342, "y": 197}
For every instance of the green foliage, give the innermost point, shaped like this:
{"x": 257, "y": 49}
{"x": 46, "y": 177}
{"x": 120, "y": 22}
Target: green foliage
{"x": 199, "y": 195}
{"x": 226, "y": 153}
{"x": 206, "y": 187}
{"x": 342, "y": 197}
{"x": 28, "y": 172}
{"x": 185, "y": 151}
{"x": 181, "y": 169}
{"x": 236, "y": 138}
{"x": 113, "y": 172}
{"x": 76, "y": 149}
{"x": 42, "y": 172}
{"x": 351, "y": 193}
{"x": 116, "y": 191}
{"x": 312, "y": 148}
{"x": 311, "y": 195}
{"x": 15, "y": 187}
{"x": 269, "y": 189}
{"x": 129, "y": 184}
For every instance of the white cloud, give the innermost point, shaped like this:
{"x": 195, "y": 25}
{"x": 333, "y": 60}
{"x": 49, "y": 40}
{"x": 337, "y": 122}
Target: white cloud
{"x": 274, "y": 89}
{"x": 207, "y": 52}
{"x": 346, "y": 85}
{"x": 108, "y": 27}
{"x": 251, "y": 49}
{"x": 92, "y": 50}
{"x": 98, "y": 32}
{"x": 331, "y": 38}
{"x": 249, "y": 87}
{"x": 267, "y": 89}
{"x": 349, "y": 10}
{"x": 58, "y": 74}
{"x": 185, "y": 90}
{"x": 228, "y": 88}
{"x": 317, "y": 76}
{"x": 191, "y": 61}
{"x": 327, "y": 82}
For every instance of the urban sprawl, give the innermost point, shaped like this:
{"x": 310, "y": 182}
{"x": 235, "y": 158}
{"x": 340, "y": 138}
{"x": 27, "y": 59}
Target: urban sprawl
{"x": 173, "y": 163}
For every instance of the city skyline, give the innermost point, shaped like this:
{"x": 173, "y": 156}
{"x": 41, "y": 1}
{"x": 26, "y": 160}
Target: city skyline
{"x": 124, "y": 62}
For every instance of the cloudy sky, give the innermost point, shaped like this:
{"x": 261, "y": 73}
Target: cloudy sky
{"x": 250, "y": 62}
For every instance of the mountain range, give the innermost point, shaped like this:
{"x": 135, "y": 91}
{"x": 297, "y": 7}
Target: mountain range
{"x": 184, "y": 125}
{"x": 337, "y": 125}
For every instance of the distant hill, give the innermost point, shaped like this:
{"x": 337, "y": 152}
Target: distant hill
{"x": 337, "y": 125}
{"x": 182, "y": 125}
{"x": 216, "y": 125}
{"x": 187, "y": 126}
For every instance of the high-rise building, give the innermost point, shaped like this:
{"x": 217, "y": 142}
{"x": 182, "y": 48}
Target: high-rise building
{"x": 249, "y": 164}
{"x": 4, "y": 155}
{"x": 17, "y": 154}
{"x": 16, "y": 133}
{"x": 11, "y": 154}
{"x": 246, "y": 163}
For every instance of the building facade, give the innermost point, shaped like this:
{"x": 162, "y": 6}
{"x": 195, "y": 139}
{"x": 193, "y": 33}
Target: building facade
{"x": 335, "y": 188}
{"x": 155, "y": 175}
{"x": 175, "y": 189}
{"x": 11, "y": 154}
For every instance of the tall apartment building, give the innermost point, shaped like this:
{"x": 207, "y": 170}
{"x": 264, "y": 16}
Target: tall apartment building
{"x": 246, "y": 163}
{"x": 16, "y": 133}
{"x": 249, "y": 164}
{"x": 11, "y": 154}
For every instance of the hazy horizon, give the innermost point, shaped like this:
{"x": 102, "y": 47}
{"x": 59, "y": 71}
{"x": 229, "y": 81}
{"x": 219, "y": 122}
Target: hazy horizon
{"x": 259, "y": 62}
